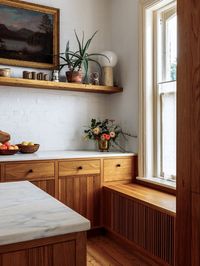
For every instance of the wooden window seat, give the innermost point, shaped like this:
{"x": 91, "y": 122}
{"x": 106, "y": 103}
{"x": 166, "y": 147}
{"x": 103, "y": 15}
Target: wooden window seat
{"x": 150, "y": 197}
{"x": 143, "y": 218}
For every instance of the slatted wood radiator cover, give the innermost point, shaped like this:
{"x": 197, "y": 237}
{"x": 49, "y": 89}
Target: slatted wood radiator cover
{"x": 141, "y": 223}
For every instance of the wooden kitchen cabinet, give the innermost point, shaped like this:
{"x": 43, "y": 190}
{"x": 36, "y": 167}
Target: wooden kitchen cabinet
{"x": 75, "y": 182}
{"x": 41, "y": 174}
{"x": 80, "y": 187}
{"x": 118, "y": 170}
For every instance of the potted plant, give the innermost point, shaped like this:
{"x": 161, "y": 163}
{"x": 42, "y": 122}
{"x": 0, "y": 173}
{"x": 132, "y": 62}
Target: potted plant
{"x": 105, "y": 133}
{"x": 79, "y": 59}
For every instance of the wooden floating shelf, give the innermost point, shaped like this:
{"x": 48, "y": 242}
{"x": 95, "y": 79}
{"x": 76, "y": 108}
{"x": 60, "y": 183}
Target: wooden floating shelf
{"x": 40, "y": 84}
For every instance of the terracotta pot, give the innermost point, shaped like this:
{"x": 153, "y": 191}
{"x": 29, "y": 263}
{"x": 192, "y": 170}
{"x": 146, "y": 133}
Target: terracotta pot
{"x": 103, "y": 145}
{"x": 74, "y": 76}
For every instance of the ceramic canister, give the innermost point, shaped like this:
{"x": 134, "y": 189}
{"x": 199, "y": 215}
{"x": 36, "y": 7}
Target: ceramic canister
{"x": 5, "y": 72}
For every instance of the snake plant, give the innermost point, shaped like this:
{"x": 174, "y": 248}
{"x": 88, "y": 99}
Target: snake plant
{"x": 79, "y": 59}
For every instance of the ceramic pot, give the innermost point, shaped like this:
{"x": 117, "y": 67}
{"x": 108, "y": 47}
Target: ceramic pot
{"x": 103, "y": 145}
{"x": 5, "y": 72}
{"x": 74, "y": 76}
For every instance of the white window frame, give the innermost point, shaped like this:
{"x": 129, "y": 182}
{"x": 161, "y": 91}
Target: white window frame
{"x": 147, "y": 155}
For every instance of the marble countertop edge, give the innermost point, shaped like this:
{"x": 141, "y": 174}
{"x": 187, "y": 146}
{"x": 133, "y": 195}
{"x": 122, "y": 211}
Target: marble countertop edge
{"x": 61, "y": 155}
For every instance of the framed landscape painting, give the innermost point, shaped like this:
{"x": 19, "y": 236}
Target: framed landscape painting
{"x": 29, "y": 34}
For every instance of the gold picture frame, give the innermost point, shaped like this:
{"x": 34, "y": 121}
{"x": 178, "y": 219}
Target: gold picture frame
{"x": 29, "y": 35}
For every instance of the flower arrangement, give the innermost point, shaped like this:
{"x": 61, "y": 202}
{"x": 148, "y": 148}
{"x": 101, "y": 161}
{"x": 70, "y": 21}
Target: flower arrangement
{"x": 106, "y": 133}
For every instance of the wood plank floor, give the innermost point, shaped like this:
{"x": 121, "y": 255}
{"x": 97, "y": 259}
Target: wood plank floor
{"x": 102, "y": 251}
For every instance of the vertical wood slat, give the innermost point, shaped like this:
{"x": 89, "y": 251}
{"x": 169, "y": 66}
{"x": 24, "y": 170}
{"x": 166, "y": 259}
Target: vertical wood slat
{"x": 46, "y": 185}
{"x": 82, "y": 194}
{"x": 147, "y": 227}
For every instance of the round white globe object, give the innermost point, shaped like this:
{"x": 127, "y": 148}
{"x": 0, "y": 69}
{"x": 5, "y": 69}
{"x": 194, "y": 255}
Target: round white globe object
{"x": 104, "y": 62}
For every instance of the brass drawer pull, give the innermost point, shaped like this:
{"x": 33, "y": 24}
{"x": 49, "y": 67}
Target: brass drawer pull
{"x": 118, "y": 165}
{"x": 80, "y": 168}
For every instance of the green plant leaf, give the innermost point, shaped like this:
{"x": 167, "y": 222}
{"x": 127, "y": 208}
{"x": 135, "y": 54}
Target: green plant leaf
{"x": 67, "y": 51}
{"x": 88, "y": 43}
{"x": 61, "y": 66}
{"x": 85, "y": 64}
{"x": 79, "y": 43}
{"x": 83, "y": 39}
{"x": 65, "y": 59}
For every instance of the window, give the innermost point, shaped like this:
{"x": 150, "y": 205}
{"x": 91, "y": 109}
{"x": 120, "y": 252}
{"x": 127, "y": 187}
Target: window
{"x": 157, "y": 149}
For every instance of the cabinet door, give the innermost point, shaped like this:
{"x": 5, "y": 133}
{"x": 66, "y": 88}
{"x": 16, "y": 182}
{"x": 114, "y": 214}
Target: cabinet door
{"x": 82, "y": 194}
{"x": 46, "y": 185}
{"x": 41, "y": 174}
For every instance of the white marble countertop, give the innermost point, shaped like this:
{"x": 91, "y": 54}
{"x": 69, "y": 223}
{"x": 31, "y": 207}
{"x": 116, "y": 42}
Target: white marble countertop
{"x": 50, "y": 155}
{"x": 27, "y": 213}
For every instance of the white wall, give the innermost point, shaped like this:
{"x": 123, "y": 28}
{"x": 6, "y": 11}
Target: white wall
{"x": 124, "y": 41}
{"x": 56, "y": 119}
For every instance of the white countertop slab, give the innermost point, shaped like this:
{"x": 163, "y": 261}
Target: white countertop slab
{"x": 27, "y": 213}
{"x": 50, "y": 155}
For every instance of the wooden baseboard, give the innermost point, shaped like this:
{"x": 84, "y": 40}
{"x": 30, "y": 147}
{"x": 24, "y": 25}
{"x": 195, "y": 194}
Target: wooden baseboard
{"x": 132, "y": 247}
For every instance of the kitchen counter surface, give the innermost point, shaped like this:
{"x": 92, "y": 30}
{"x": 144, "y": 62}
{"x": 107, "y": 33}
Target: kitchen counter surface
{"x": 27, "y": 213}
{"x": 51, "y": 155}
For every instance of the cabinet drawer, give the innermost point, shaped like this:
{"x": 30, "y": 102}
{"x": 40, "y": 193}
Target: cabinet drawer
{"x": 79, "y": 167}
{"x": 28, "y": 171}
{"x": 118, "y": 169}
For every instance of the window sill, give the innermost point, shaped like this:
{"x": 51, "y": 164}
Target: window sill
{"x": 158, "y": 183}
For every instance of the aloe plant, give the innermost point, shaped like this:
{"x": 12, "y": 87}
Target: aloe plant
{"x": 80, "y": 58}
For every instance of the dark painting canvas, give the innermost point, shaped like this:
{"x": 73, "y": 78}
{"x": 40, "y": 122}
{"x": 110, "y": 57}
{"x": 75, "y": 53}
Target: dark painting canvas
{"x": 26, "y": 35}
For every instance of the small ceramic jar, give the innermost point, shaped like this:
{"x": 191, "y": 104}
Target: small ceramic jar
{"x": 5, "y": 72}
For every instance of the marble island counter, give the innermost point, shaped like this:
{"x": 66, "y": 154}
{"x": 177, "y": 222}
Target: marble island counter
{"x": 36, "y": 229}
{"x": 53, "y": 155}
{"x": 27, "y": 213}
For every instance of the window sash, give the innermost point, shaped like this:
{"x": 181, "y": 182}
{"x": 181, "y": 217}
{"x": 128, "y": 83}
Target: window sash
{"x": 148, "y": 80}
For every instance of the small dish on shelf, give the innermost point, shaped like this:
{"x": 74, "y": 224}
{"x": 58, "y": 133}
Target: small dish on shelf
{"x": 28, "y": 148}
{"x": 8, "y": 152}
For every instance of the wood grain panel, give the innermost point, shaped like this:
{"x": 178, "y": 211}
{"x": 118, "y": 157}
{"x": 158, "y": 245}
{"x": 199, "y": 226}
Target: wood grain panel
{"x": 19, "y": 258}
{"x": 46, "y": 185}
{"x": 188, "y": 125}
{"x": 118, "y": 169}
{"x": 82, "y": 194}
{"x": 28, "y": 171}
{"x": 41, "y": 256}
{"x": 78, "y": 167}
{"x": 65, "y": 250}
{"x": 149, "y": 228}
{"x": 195, "y": 229}
{"x": 64, "y": 254}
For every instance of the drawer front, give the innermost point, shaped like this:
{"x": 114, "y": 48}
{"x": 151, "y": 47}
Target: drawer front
{"x": 79, "y": 167}
{"x": 118, "y": 169}
{"x": 28, "y": 171}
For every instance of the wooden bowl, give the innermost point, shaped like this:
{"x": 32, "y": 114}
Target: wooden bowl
{"x": 8, "y": 152}
{"x": 28, "y": 148}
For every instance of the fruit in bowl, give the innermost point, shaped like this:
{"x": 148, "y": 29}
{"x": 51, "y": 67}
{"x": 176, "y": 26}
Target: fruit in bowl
{"x": 28, "y": 147}
{"x": 26, "y": 143}
{"x": 8, "y": 149}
